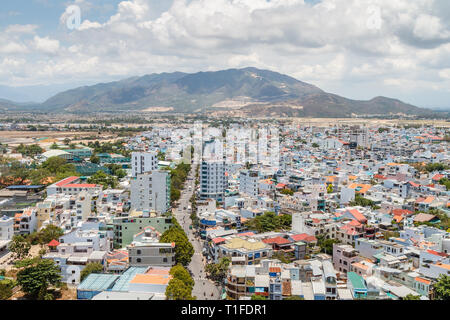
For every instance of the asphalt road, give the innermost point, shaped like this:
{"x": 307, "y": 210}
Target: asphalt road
{"x": 204, "y": 289}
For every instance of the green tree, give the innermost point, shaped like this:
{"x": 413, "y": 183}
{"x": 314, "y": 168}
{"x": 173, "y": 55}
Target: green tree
{"x": 6, "y": 287}
{"x": 411, "y": 297}
{"x": 258, "y": 297}
{"x": 178, "y": 290}
{"x": 106, "y": 180}
{"x": 20, "y": 246}
{"x": 326, "y": 245}
{"x": 431, "y": 167}
{"x": 66, "y": 141}
{"x": 39, "y": 176}
{"x": 442, "y": 288}
{"x": 95, "y": 159}
{"x": 294, "y": 298}
{"x": 330, "y": 188}
{"x": 269, "y": 221}
{"x": 35, "y": 280}
{"x": 287, "y": 191}
{"x": 445, "y": 182}
{"x": 218, "y": 271}
{"x": 183, "y": 248}
{"x": 29, "y": 150}
{"x": 92, "y": 267}
{"x": 49, "y": 233}
{"x": 57, "y": 165}
{"x": 179, "y": 272}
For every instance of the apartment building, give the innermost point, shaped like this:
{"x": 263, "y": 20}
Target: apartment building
{"x": 26, "y": 222}
{"x": 126, "y": 227}
{"x": 146, "y": 250}
{"x": 6, "y": 233}
{"x": 343, "y": 257}
{"x": 251, "y": 250}
{"x": 150, "y": 191}
{"x": 6, "y": 228}
{"x": 249, "y": 182}
{"x": 142, "y": 162}
{"x": 213, "y": 180}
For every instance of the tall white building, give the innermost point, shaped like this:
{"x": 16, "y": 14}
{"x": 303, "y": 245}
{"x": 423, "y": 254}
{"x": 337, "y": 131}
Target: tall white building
{"x": 6, "y": 228}
{"x": 151, "y": 191}
{"x": 142, "y": 162}
{"x": 298, "y": 223}
{"x": 249, "y": 182}
{"x": 213, "y": 180}
{"x": 83, "y": 205}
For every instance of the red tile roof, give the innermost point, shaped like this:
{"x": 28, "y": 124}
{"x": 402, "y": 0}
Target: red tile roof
{"x": 66, "y": 181}
{"x": 303, "y": 237}
{"x": 218, "y": 240}
{"x": 441, "y": 254}
{"x": 80, "y": 185}
{"x": 437, "y": 177}
{"x": 53, "y": 243}
{"x": 401, "y": 212}
{"x": 419, "y": 279}
{"x": 358, "y": 215}
{"x": 276, "y": 240}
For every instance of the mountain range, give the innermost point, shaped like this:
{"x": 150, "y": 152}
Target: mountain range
{"x": 247, "y": 91}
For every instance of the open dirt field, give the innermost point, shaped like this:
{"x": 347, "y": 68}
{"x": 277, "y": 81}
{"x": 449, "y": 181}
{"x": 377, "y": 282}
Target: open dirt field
{"x": 29, "y": 137}
{"x": 370, "y": 122}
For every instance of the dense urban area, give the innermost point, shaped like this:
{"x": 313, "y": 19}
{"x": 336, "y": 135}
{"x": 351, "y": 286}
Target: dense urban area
{"x": 198, "y": 208}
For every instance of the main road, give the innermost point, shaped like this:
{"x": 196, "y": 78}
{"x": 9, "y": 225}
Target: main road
{"x": 204, "y": 289}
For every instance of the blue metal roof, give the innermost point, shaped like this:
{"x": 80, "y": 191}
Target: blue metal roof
{"x": 123, "y": 282}
{"x": 25, "y": 187}
{"x": 98, "y": 282}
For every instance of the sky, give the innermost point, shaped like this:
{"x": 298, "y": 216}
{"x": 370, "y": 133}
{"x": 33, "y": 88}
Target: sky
{"x": 359, "y": 49}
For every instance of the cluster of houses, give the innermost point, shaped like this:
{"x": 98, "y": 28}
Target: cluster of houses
{"x": 367, "y": 223}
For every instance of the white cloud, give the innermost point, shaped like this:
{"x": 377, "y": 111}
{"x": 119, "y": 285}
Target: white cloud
{"x": 46, "y": 45}
{"x": 331, "y": 44}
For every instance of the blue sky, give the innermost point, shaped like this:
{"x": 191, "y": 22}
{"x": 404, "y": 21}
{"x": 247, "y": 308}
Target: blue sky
{"x": 356, "y": 48}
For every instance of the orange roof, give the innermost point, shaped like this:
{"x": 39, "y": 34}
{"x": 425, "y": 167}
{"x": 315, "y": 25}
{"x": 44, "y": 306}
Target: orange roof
{"x": 354, "y": 223}
{"x": 398, "y": 218}
{"x": 151, "y": 279}
{"x": 274, "y": 269}
{"x": 66, "y": 181}
{"x": 429, "y": 199}
{"x": 360, "y": 265}
{"x": 364, "y": 187}
{"x": 443, "y": 265}
{"x": 419, "y": 279}
{"x": 401, "y": 212}
{"x": 358, "y": 215}
{"x": 157, "y": 271}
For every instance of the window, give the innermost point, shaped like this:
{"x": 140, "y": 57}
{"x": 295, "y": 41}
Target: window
{"x": 138, "y": 260}
{"x": 138, "y": 252}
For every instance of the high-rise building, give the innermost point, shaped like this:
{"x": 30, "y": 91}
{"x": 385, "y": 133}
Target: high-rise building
{"x": 249, "y": 182}
{"x": 213, "y": 180}
{"x": 150, "y": 191}
{"x": 6, "y": 228}
{"x": 142, "y": 162}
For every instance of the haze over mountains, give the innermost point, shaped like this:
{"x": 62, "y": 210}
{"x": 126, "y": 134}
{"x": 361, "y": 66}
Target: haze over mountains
{"x": 250, "y": 91}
